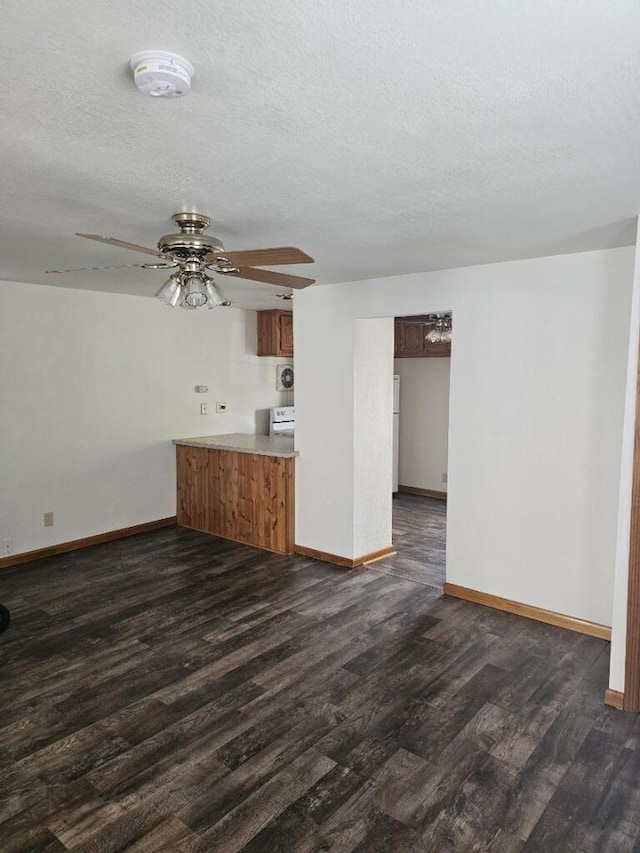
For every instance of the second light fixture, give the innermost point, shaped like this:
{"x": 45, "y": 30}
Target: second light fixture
{"x": 440, "y": 332}
{"x": 191, "y": 288}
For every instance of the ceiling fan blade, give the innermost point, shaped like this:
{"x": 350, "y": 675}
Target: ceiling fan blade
{"x": 270, "y": 277}
{"x": 113, "y": 241}
{"x": 264, "y": 257}
{"x": 119, "y": 267}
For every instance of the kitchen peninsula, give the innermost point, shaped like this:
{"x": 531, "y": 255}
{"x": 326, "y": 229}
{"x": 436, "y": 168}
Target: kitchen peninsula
{"x": 239, "y": 487}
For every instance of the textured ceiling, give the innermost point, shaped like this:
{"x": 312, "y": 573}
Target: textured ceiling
{"x": 380, "y": 136}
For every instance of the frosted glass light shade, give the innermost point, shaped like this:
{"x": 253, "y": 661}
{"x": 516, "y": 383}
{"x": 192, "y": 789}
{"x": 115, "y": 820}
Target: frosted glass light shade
{"x": 215, "y": 296}
{"x": 170, "y": 292}
{"x": 191, "y": 291}
{"x": 440, "y": 332}
{"x": 183, "y": 304}
{"x": 195, "y": 295}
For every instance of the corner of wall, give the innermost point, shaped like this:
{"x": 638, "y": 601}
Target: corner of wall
{"x": 621, "y": 577}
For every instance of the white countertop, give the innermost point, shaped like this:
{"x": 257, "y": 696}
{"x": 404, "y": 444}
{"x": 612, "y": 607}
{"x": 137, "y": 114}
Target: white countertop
{"x": 263, "y": 445}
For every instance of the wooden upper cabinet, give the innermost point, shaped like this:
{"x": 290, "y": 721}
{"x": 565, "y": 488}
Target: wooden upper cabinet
{"x": 410, "y": 339}
{"x": 285, "y": 321}
{"x": 275, "y": 333}
{"x": 411, "y": 333}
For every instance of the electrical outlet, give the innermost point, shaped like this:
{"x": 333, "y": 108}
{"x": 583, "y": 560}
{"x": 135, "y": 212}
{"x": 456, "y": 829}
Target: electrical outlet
{"x": 221, "y": 407}
{"x": 203, "y": 409}
{"x": 48, "y": 519}
{"x": 8, "y": 546}
{"x": 444, "y": 476}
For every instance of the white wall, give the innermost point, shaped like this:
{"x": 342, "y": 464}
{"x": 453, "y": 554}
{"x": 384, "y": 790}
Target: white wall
{"x": 537, "y": 393}
{"x": 619, "y": 621}
{"x": 373, "y": 414}
{"x": 424, "y": 421}
{"x": 93, "y": 387}
{"x": 325, "y": 419}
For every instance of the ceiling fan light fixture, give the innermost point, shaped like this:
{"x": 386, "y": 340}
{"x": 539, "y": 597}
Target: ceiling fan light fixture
{"x": 215, "y": 296}
{"x": 171, "y": 291}
{"x": 440, "y": 332}
{"x": 195, "y": 294}
{"x": 434, "y": 336}
{"x": 183, "y": 304}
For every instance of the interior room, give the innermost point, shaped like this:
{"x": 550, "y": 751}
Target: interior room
{"x": 319, "y": 471}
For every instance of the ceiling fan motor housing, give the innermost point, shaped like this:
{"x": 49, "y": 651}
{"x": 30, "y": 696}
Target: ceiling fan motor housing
{"x": 190, "y": 241}
{"x": 161, "y": 74}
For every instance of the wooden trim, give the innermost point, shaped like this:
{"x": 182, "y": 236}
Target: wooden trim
{"x": 346, "y": 562}
{"x": 632, "y": 652}
{"x": 614, "y": 698}
{"x": 425, "y": 493}
{"x": 375, "y": 555}
{"x": 582, "y": 626}
{"x": 87, "y": 542}
{"x": 324, "y": 555}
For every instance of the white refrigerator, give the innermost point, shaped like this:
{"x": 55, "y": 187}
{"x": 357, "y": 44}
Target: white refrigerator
{"x": 396, "y": 430}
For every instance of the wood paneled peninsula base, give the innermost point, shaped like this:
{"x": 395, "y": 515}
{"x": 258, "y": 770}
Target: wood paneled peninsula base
{"x": 240, "y": 487}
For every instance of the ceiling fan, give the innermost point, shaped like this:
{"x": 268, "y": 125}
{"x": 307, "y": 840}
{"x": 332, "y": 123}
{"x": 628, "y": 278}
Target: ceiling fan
{"x": 194, "y": 255}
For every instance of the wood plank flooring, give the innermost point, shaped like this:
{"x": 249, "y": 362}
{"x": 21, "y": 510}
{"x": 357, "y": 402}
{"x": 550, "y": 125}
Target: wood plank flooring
{"x": 419, "y": 535}
{"x": 176, "y": 692}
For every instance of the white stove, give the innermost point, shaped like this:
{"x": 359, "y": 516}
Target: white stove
{"x": 282, "y": 420}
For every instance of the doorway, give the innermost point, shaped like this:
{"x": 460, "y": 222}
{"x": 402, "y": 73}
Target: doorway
{"x": 422, "y": 368}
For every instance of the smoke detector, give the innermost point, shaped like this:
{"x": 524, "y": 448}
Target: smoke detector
{"x": 161, "y": 74}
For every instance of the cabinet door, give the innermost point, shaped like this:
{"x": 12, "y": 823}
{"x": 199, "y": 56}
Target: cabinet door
{"x": 410, "y": 339}
{"x": 285, "y": 321}
{"x": 275, "y": 333}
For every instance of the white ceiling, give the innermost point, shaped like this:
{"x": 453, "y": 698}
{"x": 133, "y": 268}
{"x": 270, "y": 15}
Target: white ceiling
{"x": 380, "y": 136}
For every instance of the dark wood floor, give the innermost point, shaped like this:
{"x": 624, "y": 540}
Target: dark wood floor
{"x": 174, "y": 692}
{"x": 419, "y": 535}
